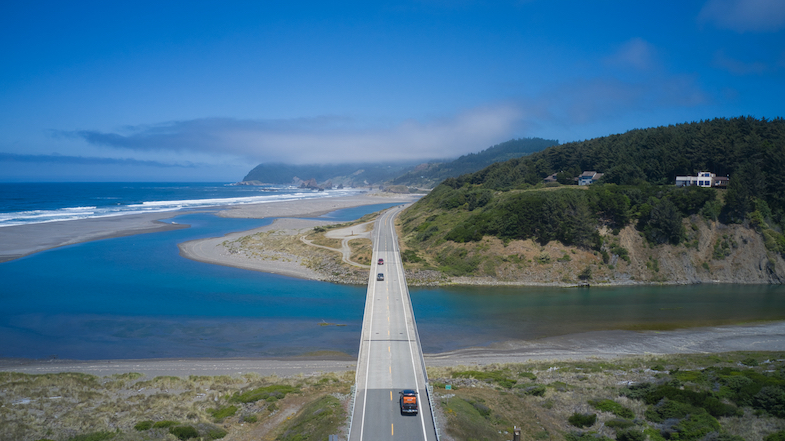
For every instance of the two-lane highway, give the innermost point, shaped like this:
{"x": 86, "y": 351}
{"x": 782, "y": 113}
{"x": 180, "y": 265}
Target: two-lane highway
{"x": 390, "y": 357}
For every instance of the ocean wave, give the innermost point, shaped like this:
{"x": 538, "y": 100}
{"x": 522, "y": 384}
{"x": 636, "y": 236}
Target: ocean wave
{"x": 90, "y": 212}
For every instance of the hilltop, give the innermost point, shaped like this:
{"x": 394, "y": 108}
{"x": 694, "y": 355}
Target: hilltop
{"x": 403, "y": 174}
{"x": 502, "y": 224}
{"x": 428, "y": 175}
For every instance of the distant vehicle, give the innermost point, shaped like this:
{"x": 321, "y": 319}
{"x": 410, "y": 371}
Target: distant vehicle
{"x": 380, "y": 277}
{"x": 408, "y": 402}
{"x": 381, "y": 261}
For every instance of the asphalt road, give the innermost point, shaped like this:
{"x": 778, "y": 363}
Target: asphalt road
{"x": 390, "y": 357}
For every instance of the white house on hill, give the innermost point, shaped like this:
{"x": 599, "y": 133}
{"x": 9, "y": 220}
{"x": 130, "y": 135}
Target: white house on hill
{"x": 704, "y": 179}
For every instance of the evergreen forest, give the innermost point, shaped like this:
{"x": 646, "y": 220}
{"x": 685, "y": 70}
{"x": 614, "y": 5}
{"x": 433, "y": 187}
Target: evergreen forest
{"x": 509, "y": 200}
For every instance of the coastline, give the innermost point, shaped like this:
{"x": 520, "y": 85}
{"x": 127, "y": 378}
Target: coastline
{"x": 288, "y": 221}
{"x": 18, "y": 241}
{"x": 574, "y": 347}
{"x": 23, "y": 240}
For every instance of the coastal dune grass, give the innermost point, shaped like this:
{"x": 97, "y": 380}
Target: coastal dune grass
{"x": 131, "y": 407}
{"x": 729, "y": 396}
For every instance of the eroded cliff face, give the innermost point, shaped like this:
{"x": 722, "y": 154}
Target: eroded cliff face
{"x": 712, "y": 253}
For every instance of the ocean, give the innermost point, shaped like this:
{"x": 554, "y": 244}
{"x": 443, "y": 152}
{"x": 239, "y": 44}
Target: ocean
{"x": 135, "y": 297}
{"x": 24, "y": 203}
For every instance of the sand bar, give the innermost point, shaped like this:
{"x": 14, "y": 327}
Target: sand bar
{"x": 582, "y": 346}
{"x": 22, "y": 240}
{"x": 288, "y": 220}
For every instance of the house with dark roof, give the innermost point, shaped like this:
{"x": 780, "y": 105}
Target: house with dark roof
{"x": 589, "y": 177}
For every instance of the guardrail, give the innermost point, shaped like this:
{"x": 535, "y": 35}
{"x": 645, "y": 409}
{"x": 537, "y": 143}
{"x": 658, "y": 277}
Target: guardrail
{"x": 351, "y": 409}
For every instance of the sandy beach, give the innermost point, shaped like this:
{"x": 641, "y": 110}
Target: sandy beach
{"x": 22, "y": 240}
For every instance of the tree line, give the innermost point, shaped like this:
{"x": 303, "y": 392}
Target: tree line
{"x": 639, "y": 168}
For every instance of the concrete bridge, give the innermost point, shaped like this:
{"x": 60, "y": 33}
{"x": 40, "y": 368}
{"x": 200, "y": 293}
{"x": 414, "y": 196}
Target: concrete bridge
{"x": 390, "y": 358}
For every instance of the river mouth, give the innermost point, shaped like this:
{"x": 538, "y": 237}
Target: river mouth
{"x": 134, "y": 297}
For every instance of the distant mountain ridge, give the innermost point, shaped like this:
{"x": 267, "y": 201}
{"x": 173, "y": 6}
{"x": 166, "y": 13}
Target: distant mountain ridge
{"x": 350, "y": 175}
{"x": 431, "y": 174}
{"x": 423, "y": 175}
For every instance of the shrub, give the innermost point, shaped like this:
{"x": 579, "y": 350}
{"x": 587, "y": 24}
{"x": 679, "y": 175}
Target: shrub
{"x": 716, "y": 436}
{"x": 497, "y": 377}
{"x": 528, "y": 375}
{"x": 669, "y": 409}
{"x": 223, "y": 412}
{"x": 630, "y": 435}
{"x": 613, "y": 407}
{"x": 576, "y": 436}
{"x": 210, "y": 432}
{"x": 95, "y": 436}
{"x": 411, "y": 256}
{"x": 776, "y": 436}
{"x": 269, "y": 393}
{"x": 535, "y": 390}
{"x": 582, "y": 420}
{"x": 484, "y": 410}
{"x": 770, "y": 399}
{"x": 619, "y": 423}
{"x": 143, "y": 425}
{"x": 249, "y": 418}
{"x": 184, "y": 432}
{"x": 696, "y": 426}
{"x": 638, "y": 391}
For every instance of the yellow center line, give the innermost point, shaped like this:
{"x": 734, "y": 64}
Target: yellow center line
{"x": 392, "y": 429}
{"x": 390, "y": 395}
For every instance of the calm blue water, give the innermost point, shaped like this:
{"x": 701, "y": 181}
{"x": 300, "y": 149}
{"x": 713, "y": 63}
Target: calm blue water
{"x": 135, "y": 297}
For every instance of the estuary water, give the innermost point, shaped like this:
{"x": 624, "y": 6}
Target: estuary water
{"x": 135, "y": 297}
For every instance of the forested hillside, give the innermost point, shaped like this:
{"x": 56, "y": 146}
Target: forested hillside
{"x": 430, "y": 174}
{"x": 354, "y": 175}
{"x": 508, "y": 200}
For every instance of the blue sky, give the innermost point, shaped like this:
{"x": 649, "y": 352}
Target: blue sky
{"x": 204, "y": 91}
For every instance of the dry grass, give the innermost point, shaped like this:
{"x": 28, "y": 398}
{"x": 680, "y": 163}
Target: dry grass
{"x": 362, "y": 251}
{"x": 60, "y": 406}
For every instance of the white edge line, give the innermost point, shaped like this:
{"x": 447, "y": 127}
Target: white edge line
{"x": 370, "y": 329}
{"x": 408, "y": 307}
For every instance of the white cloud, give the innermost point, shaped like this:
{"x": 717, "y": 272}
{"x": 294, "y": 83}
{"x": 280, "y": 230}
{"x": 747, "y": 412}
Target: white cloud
{"x": 321, "y": 139}
{"x": 745, "y": 15}
{"x": 636, "y": 53}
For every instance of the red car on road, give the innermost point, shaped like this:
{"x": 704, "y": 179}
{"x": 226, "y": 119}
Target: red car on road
{"x": 381, "y": 261}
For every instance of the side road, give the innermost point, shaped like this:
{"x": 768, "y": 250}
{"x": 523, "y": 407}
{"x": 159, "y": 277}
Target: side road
{"x": 361, "y": 231}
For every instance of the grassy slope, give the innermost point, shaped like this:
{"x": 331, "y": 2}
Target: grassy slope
{"x": 483, "y": 403}
{"x": 630, "y": 258}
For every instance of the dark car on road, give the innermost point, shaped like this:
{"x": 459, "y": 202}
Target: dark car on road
{"x": 380, "y": 277}
{"x": 408, "y": 402}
